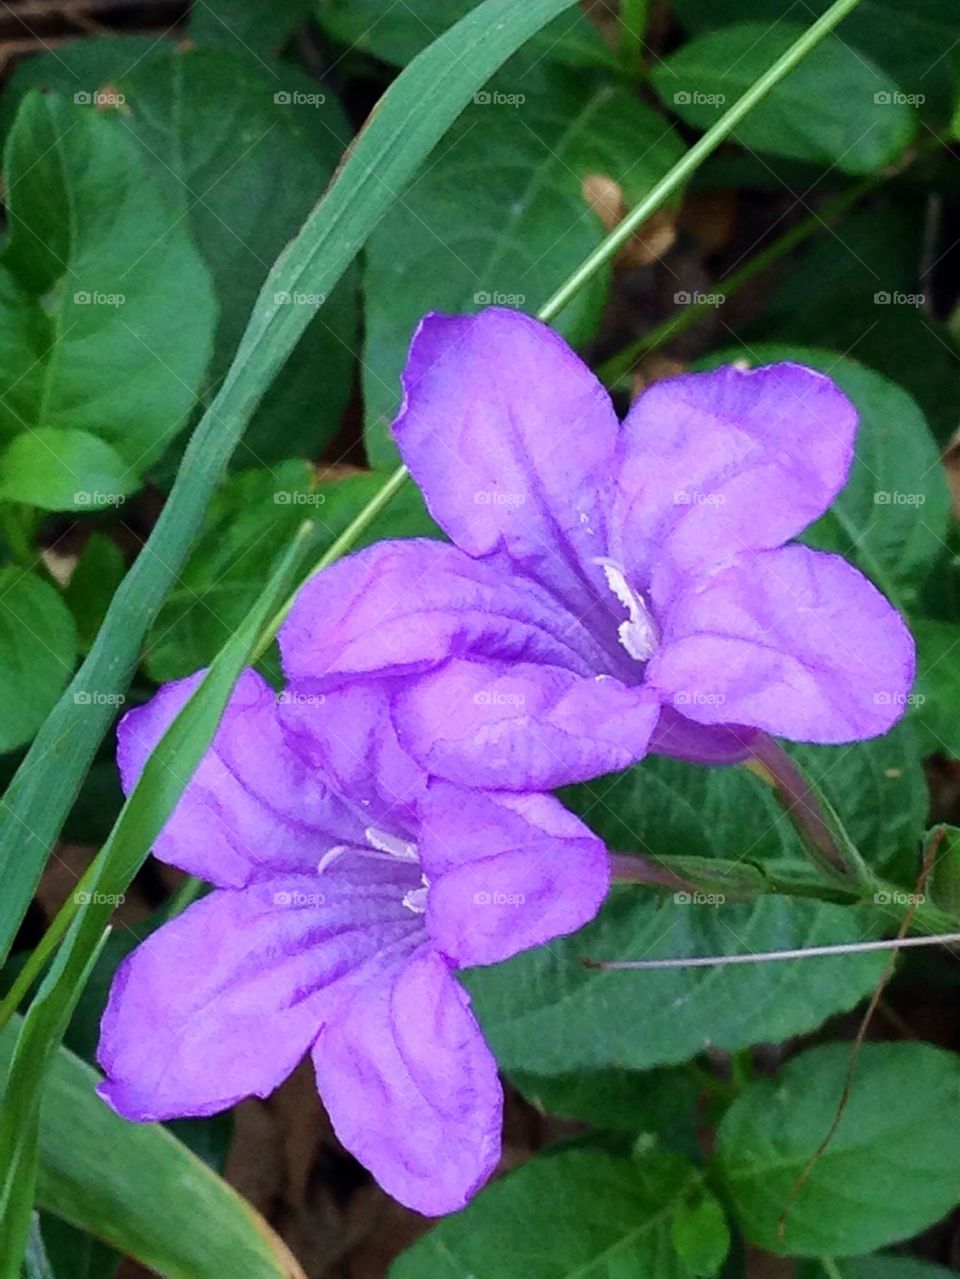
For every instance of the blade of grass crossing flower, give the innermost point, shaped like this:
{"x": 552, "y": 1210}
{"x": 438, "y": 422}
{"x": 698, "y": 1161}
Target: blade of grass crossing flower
{"x": 153, "y": 799}
{"x": 411, "y": 118}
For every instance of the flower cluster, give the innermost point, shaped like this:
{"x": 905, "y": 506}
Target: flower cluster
{"x": 608, "y": 589}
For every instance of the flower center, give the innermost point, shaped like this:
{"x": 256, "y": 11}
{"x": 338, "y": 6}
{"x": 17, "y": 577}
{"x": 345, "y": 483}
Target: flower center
{"x": 382, "y": 846}
{"x": 638, "y": 634}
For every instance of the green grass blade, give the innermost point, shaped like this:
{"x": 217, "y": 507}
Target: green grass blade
{"x": 411, "y": 118}
{"x": 138, "y": 1188}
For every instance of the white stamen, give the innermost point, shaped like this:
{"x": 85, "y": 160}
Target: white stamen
{"x": 330, "y": 856}
{"x": 638, "y": 634}
{"x": 392, "y": 844}
{"x": 416, "y": 898}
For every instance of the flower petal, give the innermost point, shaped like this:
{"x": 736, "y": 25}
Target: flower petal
{"x": 252, "y": 808}
{"x": 713, "y": 464}
{"x": 792, "y": 641}
{"x": 348, "y": 733}
{"x": 511, "y": 438}
{"x": 709, "y": 744}
{"x": 225, "y": 1000}
{"x": 411, "y": 1088}
{"x": 506, "y": 872}
{"x": 402, "y": 607}
{"x": 517, "y": 726}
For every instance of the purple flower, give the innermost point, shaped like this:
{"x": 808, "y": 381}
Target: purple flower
{"x": 612, "y": 587}
{"x": 335, "y": 929}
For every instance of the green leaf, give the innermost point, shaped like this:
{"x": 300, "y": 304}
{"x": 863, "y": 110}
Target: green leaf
{"x": 908, "y": 41}
{"x": 543, "y": 1011}
{"x": 701, "y": 1235}
{"x": 415, "y": 112}
{"x": 398, "y": 33}
{"x": 251, "y": 26}
{"x": 110, "y": 307}
{"x": 251, "y": 518}
{"x": 936, "y": 697}
{"x": 652, "y": 1101}
{"x": 98, "y": 573}
{"x": 607, "y": 1216}
{"x": 891, "y": 1169}
{"x": 245, "y": 149}
{"x": 835, "y": 109}
{"x": 59, "y": 469}
{"x": 874, "y": 1267}
{"x": 38, "y": 648}
{"x": 891, "y": 517}
{"x": 138, "y": 1188}
{"x": 525, "y": 226}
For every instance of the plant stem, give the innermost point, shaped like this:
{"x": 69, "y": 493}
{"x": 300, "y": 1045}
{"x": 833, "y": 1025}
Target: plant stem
{"x": 634, "y": 15}
{"x": 700, "y": 150}
{"x": 778, "y": 956}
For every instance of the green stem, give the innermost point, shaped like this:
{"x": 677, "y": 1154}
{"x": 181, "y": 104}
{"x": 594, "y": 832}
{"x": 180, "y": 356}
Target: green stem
{"x": 704, "y": 147}
{"x": 634, "y": 15}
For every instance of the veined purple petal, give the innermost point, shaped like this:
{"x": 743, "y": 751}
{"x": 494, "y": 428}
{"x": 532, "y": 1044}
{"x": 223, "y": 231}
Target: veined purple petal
{"x": 710, "y": 744}
{"x": 506, "y": 872}
{"x": 511, "y": 439}
{"x": 225, "y": 1000}
{"x": 519, "y": 726}
{"x": 253, "y": 807}
{"x": 713, "y": 464}
{"x": 402, "y": 607}
{"x": 412, "y": 1089}
{"x": 792, "y": 641}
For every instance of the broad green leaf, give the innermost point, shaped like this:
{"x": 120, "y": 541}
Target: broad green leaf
{"x": 255, "y": 27}
{"x": 138, "y": 1188}
{"x": 414, "y": 114}
{"x": 879, "y": 1266}
{"x": 652, "y": 1101}
{"x": 59, "y": 469}
{"x": 525, "y": 225}
{"x": 836, "y": 109}
{"x": 545, "y": 1012}
{"x": 98, "y": 573}
{"x": 701, "y": 1235}
{"x": 908, "y": 41}
{"x": 224, "y": 131}
{"x": 38, "y": 648}
{"x": 111, "y": 307}
{"x": 936, "y": 698}
{"x": 891, "y": 1169}
{"x": 891, "y": 517}
{"x": 572, "y": 1214}
{"x": 860, "y": 290}
{"x": 399, "y": 32}
{"x": 252, "y": 517}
